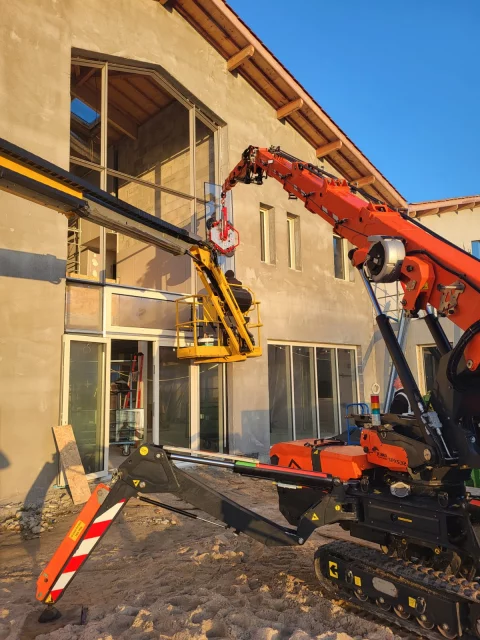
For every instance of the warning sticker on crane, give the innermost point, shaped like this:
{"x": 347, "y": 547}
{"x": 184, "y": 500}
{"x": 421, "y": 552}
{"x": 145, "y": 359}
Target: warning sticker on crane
{"x": 77, "y": 530}
{"x": 333, "y": 569}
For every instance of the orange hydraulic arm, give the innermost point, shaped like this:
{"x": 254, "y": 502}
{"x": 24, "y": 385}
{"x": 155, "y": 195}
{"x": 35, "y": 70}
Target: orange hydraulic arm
{"x": 390, "y": 244}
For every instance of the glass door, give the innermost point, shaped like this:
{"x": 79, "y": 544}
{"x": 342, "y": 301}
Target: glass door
{"x": 83, "y": 399}
{"x": 327, "y": 392}
{"x": 211, "y": 426}
{"x": 173, "y": 419}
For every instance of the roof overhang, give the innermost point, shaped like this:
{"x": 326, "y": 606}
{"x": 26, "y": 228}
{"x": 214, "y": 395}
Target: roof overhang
{"x": 246, "y": 55}
{"x": 437, "y": 207}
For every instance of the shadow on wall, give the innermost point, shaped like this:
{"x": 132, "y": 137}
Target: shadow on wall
{"x": 31, "y": 266}
{"x": 4, "y": 461}
{"x": 175, "y": 270}
{"x": 254, "y": 440}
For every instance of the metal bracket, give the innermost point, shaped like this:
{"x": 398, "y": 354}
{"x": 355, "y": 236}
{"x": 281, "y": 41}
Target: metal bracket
{"x": 329, "y": 510}
{"x": 449, "y": 299}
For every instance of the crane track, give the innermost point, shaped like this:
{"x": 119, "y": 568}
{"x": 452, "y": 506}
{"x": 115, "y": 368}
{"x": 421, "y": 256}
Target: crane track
{"x": 398, "y": 570}
{"x": 403, "y": 628}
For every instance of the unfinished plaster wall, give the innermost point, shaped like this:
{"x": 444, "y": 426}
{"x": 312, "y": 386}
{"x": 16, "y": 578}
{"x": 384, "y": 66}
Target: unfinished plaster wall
{"x": 35, "y": 104}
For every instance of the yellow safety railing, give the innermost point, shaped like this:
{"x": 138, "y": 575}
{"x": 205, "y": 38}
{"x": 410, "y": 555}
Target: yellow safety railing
{"x": 200, "y": 332}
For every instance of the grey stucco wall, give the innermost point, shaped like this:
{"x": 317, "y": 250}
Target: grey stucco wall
{"x": 34, "y": 103}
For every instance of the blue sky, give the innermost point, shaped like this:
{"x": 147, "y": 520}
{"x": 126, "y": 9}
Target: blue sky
{"x": 400, "y": 77}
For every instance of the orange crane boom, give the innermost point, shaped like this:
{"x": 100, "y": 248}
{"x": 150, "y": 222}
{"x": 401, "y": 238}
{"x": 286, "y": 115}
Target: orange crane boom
{"x": 391, "y": 245}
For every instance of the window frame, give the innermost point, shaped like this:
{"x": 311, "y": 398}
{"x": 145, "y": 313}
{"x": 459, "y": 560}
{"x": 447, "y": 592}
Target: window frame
{"x": 315, "y": 345}
{"x": 348, "y": 269}
{"x": 194, "y": 113}
{"x": 293, "y": 242}
{"x": 264, "y": 235}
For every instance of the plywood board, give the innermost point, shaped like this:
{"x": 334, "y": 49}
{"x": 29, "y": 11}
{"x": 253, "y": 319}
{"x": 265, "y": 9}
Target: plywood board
{"x": 71, "y": 464}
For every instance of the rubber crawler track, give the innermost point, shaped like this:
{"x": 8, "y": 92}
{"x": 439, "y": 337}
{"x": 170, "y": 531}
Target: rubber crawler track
{"x": 458, "y": 588}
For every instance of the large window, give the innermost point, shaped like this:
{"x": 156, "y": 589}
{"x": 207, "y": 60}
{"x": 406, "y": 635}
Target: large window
{"x": 135, "y": 136}
{"x": 309, "y": 390}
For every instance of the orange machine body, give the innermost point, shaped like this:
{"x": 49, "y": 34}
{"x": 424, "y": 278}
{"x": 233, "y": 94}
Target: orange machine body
{"x": 329, "y": 456}
{"x": 384, "y": 455}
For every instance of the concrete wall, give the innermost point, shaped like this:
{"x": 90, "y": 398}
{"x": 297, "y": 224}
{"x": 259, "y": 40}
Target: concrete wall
{"x": 35, "y": 108}
{"x": 34, "y": 91}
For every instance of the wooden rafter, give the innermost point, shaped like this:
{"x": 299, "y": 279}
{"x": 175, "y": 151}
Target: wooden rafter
{"x": 239, "y": 58}
{"x": 429, "y": 212}
{"x": 289, "y": 108}
{"x": 115, "y": 117}
{"x": 364, "y": 181}
{"x": 330, "y": 147}
{"x": 451, "y": 208}
{"x": 468, "y": 205}
{"x": 86, "y": 76}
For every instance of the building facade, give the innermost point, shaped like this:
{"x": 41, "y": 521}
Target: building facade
{"x": 154, "y": 102}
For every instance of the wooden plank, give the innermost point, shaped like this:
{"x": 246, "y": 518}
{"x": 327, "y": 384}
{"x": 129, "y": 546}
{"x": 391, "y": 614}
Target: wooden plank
{"x": 364, "y": 181}
{"x": 71, "y": 463}
{"x": 330, "y": 147}
{"x": 289, "y": 108}
{"x": 240, "y": 57}
{"x": 87, "y": 76}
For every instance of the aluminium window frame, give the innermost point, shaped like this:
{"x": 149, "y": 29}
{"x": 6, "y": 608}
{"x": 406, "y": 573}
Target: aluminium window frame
{"x": 320, "y": 345}
{"x": 193, "y": 113}
{"x": 293, "y": 242}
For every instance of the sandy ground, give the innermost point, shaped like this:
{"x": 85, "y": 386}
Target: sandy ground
{"x": 157, "y": 576}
